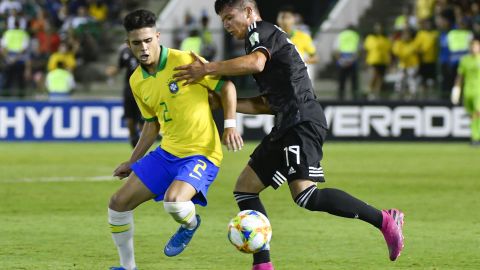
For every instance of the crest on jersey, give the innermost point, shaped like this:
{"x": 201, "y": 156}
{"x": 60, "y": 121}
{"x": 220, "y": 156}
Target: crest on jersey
{"x": 173, "y": 86}
{"x": 254, "y": 38}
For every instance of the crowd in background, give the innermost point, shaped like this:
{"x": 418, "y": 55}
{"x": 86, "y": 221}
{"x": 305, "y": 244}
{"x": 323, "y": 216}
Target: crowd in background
{"x": 38, "y": 37}
{"x": 419, "y": 57}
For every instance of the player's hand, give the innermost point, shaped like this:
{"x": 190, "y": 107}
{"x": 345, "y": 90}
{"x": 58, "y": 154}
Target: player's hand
{"x": 192, "y": 72}
{"x": 455, "y": 95}
{"x": 214, "y": 100}
{"x": 232, "y": 139}
{"x": 123, "y": 170}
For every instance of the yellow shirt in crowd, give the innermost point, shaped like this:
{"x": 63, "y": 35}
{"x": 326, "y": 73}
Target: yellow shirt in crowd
{"x": 427, "y": 45}
{"x": 303, "y": 42}
{"x": 406, "y": 52}
{"x": 67, "y": 58}
{"x": 378, "y": 50}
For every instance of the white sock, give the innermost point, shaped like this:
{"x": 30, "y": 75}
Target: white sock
{"x": 182, "y": 212}
{"x": 121, "y": 225}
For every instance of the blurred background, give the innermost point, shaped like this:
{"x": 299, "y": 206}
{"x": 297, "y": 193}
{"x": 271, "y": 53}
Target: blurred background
{"x": 388, "y": 53}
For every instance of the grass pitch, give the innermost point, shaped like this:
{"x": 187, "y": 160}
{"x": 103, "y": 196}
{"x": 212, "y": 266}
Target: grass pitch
{"x": 54, "y": 196}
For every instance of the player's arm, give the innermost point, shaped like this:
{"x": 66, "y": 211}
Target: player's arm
{"x": 244, "y": 65}
{"x": 457, "y": 89}
{"x": 231, "y": 138}
{"x": 147, "y": 138}
{"x": 251, "y": 105}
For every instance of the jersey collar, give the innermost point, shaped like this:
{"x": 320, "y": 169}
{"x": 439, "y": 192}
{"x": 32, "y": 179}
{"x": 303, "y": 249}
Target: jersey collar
{"x": 292, "y": 33}
{"x": 162, "y": 62}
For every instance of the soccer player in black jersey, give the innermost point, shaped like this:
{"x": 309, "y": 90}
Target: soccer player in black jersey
{"x": 291, "y": 153}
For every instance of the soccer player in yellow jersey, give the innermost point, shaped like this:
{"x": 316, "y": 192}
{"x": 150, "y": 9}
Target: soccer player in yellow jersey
{"x": 377, "y": 47}
{"x": 180, "y": 171}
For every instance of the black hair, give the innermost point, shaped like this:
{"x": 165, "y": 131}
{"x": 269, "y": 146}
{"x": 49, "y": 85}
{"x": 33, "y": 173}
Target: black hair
{"x": 221, "y": 4}
{"x": 138, "y": 19}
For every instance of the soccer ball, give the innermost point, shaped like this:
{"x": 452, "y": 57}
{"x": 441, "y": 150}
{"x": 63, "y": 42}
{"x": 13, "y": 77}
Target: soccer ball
{"x": 249, "y": 231}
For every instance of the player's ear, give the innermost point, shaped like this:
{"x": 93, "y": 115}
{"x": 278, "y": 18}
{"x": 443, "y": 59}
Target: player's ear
{"x": 158, "y": 36}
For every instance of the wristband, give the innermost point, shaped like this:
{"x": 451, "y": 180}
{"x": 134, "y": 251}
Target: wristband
{"x": 230, "y": 123}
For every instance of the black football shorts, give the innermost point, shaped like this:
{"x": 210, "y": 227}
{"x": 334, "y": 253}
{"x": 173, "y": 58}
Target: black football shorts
{"x": 295, "y": 155}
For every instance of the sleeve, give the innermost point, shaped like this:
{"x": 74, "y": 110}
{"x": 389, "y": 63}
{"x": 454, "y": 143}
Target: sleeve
{"x": 309, "y": 46}
{"x": 147, "y": 113}
{"x": 122, "y": 59}
{"x": 260, "y": 37}
{"x": 212, "y": 83}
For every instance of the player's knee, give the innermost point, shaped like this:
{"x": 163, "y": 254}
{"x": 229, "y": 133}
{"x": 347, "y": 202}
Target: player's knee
{"x": 308, "y": 198}
{"x": 172, "y": 197}
{"x": 118, "y": 203}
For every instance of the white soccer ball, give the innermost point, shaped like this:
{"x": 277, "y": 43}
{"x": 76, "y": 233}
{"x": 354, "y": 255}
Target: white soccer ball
{"x": 249, "y": 231}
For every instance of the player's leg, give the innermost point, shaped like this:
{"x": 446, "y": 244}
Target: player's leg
{"x": 304, "y": 144}
{"x": 195, "y": 175}
{"x": 246, "y": 192}
{"x": 178, "y": 203}
{"x": 333, "y": 201}
{"x": 255, "y": 177}
{"x": 476, "y": 120}
{"x": 120, "y": 217}
{"x": 131, "y": 114}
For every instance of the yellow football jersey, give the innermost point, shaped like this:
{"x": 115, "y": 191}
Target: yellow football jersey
{"x": 183, "y": 112}
{"x": 303, "y": 42}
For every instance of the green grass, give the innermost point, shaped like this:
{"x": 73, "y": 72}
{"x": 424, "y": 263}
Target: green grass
{"x": 47, "y": 222}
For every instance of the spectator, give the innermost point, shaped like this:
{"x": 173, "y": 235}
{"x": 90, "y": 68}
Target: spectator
{"x": 14, "y": 17}
{"x": 377, "y": 47}
{"x": 346, "y": 53}
{"x": 426, "y": 42}
{"x": 65, "y": 55}
{"x": 38, "y": 23}
{"x": 445, "y": 22}
{"x": 59, "y": 82}
{"x": 193, "y": 42}
{"x": 424, "y": 9}
{"x": 209, "y": 50}
{"x": 406, "y": 20}
{"x": 15, "y": 43}
{"x": 458, "y": 41}
{"x": 75, "y": 21}
{"x": 405, "y": 50}
{"x": 302, "y": 40}
{"x": 98, "y": 10}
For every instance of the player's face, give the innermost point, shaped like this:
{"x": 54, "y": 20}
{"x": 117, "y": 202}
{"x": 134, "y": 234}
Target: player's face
{"x": 236, "y": 21}
{"x": 286, "y": 20}
{"x": 144, "y": 45}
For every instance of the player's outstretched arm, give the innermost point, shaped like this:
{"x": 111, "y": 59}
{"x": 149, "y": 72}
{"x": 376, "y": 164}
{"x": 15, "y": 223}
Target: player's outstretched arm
{"x": 147, "y": 138}
{"x": 253, "y": 105}
{"x": 231, "y": 138}
{"x": 243, "y": 65}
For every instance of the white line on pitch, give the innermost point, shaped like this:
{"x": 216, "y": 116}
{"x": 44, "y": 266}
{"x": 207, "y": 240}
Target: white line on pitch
{"x": 62, "y": 179}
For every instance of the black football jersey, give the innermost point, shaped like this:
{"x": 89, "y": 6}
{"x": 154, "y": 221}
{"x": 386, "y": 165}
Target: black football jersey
{"x": 284, "y": 81}
{"x": 128, "y": 61}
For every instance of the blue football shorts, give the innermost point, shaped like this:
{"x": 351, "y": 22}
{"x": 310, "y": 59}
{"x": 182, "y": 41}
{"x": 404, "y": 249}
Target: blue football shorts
{"x": 159, "y": 169}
